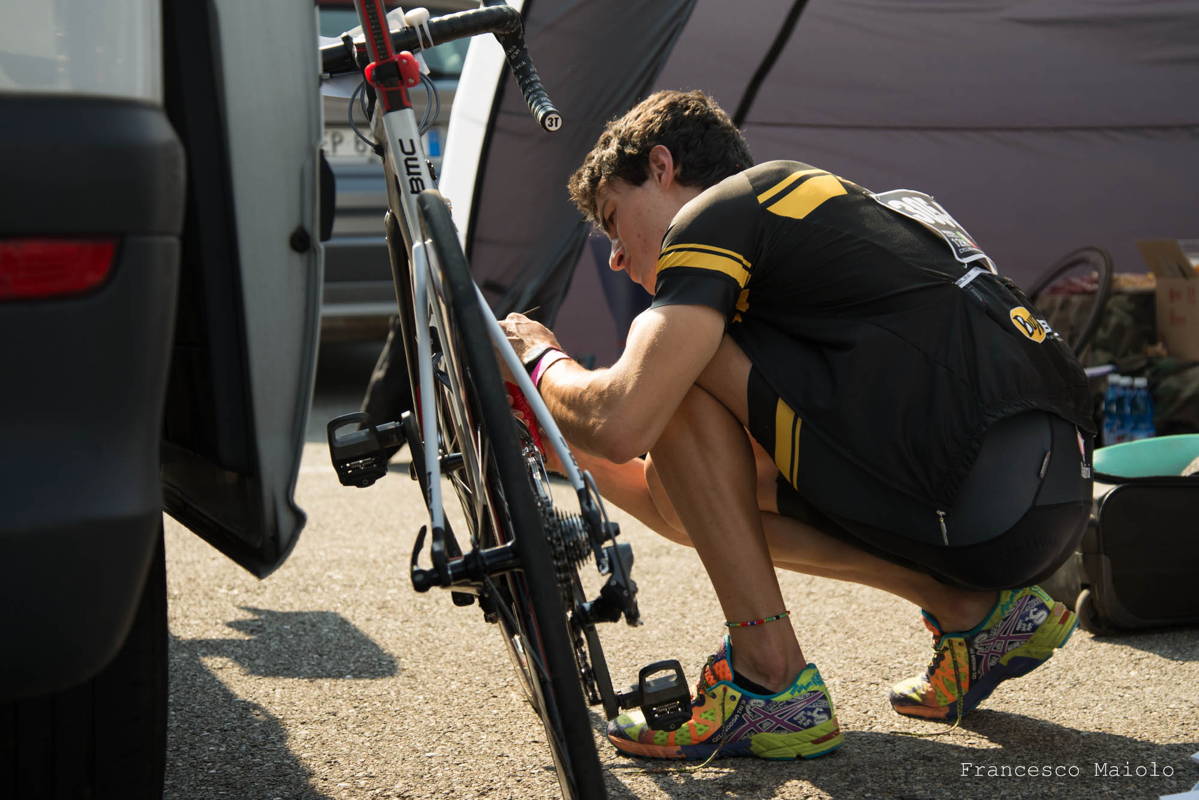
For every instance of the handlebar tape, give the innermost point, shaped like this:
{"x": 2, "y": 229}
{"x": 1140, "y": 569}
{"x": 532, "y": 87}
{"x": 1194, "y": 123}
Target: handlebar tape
{"x": 529, "y": 81}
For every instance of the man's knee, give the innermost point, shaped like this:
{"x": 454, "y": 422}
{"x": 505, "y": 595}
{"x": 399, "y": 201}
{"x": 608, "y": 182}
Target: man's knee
{"x": 694, "y": 412}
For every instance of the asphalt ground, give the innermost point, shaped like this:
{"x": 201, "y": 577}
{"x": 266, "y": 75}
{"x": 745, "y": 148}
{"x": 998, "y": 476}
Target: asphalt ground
{"x": 332, "y": 678}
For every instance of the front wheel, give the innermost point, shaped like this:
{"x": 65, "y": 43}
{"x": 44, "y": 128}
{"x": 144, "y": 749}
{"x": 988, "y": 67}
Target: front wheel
{"x": 493, "y": 483}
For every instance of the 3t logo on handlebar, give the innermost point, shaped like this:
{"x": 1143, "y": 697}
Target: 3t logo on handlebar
{"x": 412, "y": 166}
{"x": 553, "y": 122}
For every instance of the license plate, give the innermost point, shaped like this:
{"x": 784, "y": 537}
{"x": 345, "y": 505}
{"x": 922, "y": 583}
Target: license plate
{"x": 340, "y": 144}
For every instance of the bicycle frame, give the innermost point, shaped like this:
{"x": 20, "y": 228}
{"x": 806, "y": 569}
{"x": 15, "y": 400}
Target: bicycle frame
{"x": 424, "y": 270}
{"x": 531, "y": 536}
{"x": 409, "y": 170}
{"x": 408, "y": 174}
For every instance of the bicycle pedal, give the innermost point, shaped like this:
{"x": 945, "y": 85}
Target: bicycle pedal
{"x": 360, "y": 455}
{"x": 664, "y": 700}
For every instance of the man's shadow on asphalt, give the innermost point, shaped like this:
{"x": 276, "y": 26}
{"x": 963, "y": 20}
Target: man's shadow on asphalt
{"x": 299, "y": 644}
{"x": 220, "y": 745}
{"x": 896, "y": 766}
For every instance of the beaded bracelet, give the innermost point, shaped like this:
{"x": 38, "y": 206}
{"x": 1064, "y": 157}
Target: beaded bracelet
{"x": 749, "y": 623}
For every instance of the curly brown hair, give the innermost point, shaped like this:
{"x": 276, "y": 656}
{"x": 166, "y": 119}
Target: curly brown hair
{"x": 699, "y": 134}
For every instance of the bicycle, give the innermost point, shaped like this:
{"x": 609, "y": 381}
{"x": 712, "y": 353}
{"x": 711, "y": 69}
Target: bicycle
{"x": 523, "y": 553}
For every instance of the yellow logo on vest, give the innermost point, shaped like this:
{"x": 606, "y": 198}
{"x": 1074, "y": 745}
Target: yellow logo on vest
{"x": 1027, "y": 324}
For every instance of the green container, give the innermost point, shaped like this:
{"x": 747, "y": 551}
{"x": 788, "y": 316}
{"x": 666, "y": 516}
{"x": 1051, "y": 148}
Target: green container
{"x": 1162, "y": 455}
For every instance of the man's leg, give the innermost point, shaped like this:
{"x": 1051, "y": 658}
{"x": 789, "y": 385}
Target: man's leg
{"x": 989, "y": 636}
{"x": 717, "y": 430}
{"x": 706, "y": 466}
{"x": 800, "y": 547}
{"x": 765, "y": 700}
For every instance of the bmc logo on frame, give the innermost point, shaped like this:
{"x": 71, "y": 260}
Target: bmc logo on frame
{"x": 412, "y": 165}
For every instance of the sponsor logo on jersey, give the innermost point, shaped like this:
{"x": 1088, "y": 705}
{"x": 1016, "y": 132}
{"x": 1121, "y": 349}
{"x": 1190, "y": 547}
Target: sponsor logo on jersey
{"x": 1027, "y": 324}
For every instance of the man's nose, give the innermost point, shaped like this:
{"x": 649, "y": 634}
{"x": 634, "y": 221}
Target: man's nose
{"x": 616, "y": 259}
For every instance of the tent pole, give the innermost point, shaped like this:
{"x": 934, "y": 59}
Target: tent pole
{"x": 755, "y": 83}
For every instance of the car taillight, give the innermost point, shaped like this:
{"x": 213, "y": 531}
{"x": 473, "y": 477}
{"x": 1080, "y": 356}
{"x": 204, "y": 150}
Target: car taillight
{"x": 42, "y": 268}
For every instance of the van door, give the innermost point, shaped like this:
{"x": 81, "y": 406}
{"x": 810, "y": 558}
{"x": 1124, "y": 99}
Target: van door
{"x": 242, "y": 93}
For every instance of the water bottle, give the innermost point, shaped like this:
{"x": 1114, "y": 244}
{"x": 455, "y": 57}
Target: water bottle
{"x": 1136, "y": 410}
{"x": 1111, "y": 410}
{"x": 1124, "y": 416}
{"x": 1142, "y": 410}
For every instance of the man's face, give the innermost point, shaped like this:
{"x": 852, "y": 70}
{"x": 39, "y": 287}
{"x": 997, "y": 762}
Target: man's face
{"x": 635, "y": 219}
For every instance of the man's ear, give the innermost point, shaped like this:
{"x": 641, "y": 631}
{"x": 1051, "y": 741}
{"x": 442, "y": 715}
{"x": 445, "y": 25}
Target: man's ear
{"x": 662, "y": 166}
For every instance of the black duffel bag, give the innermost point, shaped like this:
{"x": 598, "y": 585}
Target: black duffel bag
{"x": 1137, "y": 566}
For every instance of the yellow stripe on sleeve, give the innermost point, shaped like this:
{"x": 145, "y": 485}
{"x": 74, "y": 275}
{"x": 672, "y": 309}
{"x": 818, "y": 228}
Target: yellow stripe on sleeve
{"x": 708, "y": 248}
{"x": 810, "y": 195}
{"x": 765, "y": 196}
{"x": 735, "y": 268}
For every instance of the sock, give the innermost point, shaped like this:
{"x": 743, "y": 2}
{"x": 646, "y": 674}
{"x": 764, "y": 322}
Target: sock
{"x": 750, "y": 686}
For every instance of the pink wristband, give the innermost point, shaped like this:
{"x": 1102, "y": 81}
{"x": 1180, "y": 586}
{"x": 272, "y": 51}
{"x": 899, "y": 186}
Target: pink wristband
{"x": 548, "y": 359}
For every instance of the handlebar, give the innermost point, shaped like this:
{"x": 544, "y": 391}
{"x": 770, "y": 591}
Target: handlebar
{"x": 501, "y": 20}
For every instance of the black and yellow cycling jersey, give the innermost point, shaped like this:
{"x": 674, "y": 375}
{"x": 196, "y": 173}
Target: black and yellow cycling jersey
{"x": 895, "y": 347}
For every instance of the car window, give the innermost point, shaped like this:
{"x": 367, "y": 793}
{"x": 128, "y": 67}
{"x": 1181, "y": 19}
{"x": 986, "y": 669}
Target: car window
{"x": 444, "y": 60}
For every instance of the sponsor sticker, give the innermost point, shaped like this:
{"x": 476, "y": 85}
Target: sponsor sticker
{"x": 1027, "y": 324}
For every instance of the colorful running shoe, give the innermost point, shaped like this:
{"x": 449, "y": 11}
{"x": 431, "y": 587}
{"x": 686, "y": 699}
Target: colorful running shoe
{"x": 798, "y": 722}
{"x": 1019, "y": 635}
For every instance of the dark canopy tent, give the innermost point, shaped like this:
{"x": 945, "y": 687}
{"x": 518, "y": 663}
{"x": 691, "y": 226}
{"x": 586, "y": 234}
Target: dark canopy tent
{"x": 1042, "y": 125}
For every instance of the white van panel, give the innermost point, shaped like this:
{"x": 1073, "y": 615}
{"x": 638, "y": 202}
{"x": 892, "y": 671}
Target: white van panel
{"x": 111, "y": 48}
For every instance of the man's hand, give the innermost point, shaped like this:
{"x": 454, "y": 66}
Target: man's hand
{"x": 527, "y": 337}
{"x": 618, "y": 412}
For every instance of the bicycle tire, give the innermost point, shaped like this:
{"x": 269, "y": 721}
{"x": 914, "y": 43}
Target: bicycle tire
{"x": 1094, "y": 257}
{"x": 550, "y": 671}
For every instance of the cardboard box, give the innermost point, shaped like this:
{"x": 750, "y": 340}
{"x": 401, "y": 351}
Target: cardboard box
{"x": 1166, "y": 258}
{"x": 1178, "y": 316}
{"x": 1177, "y": 296}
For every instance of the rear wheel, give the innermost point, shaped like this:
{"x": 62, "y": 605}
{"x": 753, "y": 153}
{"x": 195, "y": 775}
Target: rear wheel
{"x": 494, "y": 482}
{"x": 1073, "y": 293}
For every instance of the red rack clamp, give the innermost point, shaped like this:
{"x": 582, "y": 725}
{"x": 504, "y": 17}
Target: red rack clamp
{"x": 401, "y": 68}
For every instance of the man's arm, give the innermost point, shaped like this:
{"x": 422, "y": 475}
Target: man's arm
{"x": 618, "y": 412}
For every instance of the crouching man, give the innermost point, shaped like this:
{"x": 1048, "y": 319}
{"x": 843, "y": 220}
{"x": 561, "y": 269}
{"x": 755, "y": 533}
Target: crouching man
{"x": 830, "y": 381}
